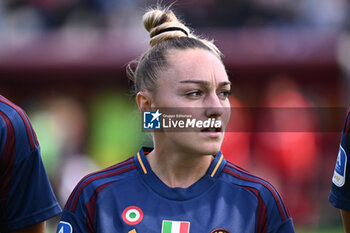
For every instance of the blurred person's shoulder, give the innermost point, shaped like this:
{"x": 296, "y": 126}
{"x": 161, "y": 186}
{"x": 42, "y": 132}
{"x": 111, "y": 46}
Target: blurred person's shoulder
{"x": 346, "y": 129}
{"x": 345, "y": 137}
{"x": 16, "y": 130}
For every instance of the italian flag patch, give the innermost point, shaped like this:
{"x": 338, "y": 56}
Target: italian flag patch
{"x": 175, "y": 227}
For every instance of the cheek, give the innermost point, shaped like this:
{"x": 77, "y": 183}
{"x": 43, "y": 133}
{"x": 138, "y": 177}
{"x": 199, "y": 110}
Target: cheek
{"x": 226, "y": 115}
{"x": 228, "y": 107}
{"x": 226, "y": 112}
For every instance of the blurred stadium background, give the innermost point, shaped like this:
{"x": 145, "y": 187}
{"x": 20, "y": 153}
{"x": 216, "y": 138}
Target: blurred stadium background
{"x": 64, "y": 62}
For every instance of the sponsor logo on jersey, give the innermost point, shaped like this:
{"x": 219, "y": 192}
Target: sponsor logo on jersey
{"x": 219, "y": 230}
{"x": 175, "y": 227}
{"x": 64, "y": 227}
{"x": 340, "y": 168}
{"x": 132, "y": 215}
{"x": 151, "y": 120}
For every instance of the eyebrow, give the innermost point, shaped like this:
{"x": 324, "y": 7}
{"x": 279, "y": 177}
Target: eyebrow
{"x": 205, "y": 83}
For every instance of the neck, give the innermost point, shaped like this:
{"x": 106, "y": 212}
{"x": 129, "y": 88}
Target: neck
{"x": 178, "y": 169}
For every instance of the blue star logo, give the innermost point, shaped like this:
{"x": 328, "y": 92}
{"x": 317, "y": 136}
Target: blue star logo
{"x": 151, "y": 120}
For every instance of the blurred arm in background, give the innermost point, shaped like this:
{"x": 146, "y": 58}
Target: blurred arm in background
{"x": 345, "y": 214}
{"x": 37, "y": 228}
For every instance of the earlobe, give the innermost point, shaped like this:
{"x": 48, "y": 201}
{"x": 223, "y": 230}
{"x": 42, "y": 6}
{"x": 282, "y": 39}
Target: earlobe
{"x": 144, "y": 101}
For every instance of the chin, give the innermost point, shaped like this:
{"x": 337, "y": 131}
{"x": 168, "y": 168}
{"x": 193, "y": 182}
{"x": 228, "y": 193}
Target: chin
{"x": 210, "y": 149}
{"x": 198, "y": 145}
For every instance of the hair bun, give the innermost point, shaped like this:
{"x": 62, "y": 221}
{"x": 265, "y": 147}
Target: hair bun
{"x": 162, "y": 24}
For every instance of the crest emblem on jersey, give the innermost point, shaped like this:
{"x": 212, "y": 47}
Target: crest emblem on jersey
{"x": 151, "y": 120}
{"x": 219, "y": 230}
{"x": 175, "y": 227}
{"x": 64, "y": 227}
{"x": 132, "y": 215}
{"x": 340, "y": 168}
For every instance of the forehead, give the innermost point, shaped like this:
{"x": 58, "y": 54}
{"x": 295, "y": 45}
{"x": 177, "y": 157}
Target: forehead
{"x": 194, "y": 64}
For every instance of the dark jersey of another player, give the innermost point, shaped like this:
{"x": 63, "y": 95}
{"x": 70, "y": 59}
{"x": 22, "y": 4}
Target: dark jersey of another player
{"x": 340, "y": 192}
{"x": 128, "y": 197}
{"x": 26, "y": 197}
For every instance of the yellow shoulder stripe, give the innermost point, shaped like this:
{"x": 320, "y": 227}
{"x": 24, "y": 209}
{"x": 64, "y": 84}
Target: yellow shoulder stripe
{"x": 140, "y": 161}
{"x": 217, "y": 166}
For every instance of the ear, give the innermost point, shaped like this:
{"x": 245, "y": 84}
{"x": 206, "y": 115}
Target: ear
{"x": 144, "y": 101}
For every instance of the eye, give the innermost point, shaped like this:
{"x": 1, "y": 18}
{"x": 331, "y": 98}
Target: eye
{"x": 224, "y": 94}
{"x": 194, "y": 94}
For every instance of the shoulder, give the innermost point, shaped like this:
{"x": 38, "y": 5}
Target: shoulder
{"x": 91, "y": 185}
{"x": 15, "y": 127}
{"x": 263, "y": 190}
{"x": 345, "y": 132}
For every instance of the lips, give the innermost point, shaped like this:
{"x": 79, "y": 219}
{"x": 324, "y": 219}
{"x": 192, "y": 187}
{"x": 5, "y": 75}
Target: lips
{"x": 211, "y": 129}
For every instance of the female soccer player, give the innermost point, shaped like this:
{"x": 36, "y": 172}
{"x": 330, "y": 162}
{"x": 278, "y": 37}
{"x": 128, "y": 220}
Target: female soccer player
{"x": 183, "y": 184}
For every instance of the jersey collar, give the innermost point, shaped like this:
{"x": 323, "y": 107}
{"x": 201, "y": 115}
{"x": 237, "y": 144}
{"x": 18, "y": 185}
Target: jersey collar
{"x": 196, "y": 189}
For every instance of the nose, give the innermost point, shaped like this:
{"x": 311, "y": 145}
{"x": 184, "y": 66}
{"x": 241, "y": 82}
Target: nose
{"x": 213, "y": 106}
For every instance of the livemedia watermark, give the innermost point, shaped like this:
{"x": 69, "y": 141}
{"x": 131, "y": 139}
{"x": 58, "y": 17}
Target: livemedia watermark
{"x": 257, "y": 119}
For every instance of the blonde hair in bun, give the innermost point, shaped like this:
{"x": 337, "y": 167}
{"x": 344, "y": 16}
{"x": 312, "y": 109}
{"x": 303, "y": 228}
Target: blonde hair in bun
{"x": 159, "y": 19}
{"x": 167, "y": 32}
